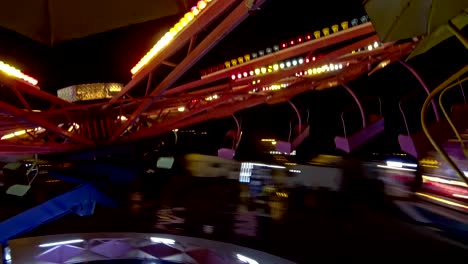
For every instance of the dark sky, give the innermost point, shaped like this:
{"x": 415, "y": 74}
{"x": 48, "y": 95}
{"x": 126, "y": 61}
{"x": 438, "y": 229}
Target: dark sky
{"x": 109, "y": 57}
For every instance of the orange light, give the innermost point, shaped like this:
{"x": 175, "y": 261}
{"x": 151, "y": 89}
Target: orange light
{"x": 167, "y": 38}
{"x": 12, "y": 71}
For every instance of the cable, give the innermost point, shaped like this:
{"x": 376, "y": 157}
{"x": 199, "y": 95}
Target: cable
{"x": 436, "y": 145}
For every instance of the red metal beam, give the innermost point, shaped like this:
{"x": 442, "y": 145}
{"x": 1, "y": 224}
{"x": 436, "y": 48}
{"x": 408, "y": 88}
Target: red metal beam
{"x": 32, "y": 90}
{"x": 43, "y": 123}
{"x": 309, "y": 83}
{"x": 239, "y": 14}
{"x": 221, "y": 112}
{"x": 213, "y": 11}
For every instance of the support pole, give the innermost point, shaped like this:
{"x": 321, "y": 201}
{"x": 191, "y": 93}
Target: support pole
{"x": 423, "y": 84}
{"x": 298, "y": 115}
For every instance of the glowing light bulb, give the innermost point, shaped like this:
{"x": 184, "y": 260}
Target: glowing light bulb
{"x": 288, "y": 64}
{"x": 201, "y": 4}
{"x": 195, "y": 11}
{"x": 246, "y": 74}
{"x": 257, "y": 71}
{"x": 282, "y": 65}
{"x": 317, "y": 34}
{"x": 189, "y": 16}
{"x": 183, "y": 21}
{"x": 239, "y": 75}
{"x": 294, "y": 62}
{"x": 326, "y": 31}
{"x": 301, "y": 61}
{"x": 275, "y": 67}
{"x": 335, "y": 28}
{"x": 178, "y": 27}
{"x": 263, "y": 70}
{"x": 344, "y": 25}
{"x": 233, "y": 77}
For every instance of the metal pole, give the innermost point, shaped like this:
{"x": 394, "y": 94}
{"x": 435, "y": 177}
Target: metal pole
{"x": 356, "y": 99}
{"x": 423, "y": 84}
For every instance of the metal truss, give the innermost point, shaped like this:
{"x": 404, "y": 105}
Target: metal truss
{"x": 131, "y": 115}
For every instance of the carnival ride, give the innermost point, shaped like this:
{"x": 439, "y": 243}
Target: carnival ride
{"x": 149, "y": 105}
{"x": 152, "y": 104}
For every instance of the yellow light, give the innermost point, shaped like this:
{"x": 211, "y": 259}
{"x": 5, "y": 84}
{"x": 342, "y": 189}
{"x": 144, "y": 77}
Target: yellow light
{"x": 267, "y": 140}
{"x": 326, "y": 31}
{"x": 247, "y": 57}
{"x": 335, "y": 28}
{"x": 275, "y": 67}
{"x": 178, "y": 27}
{"x": 240, "y": 60}
{"x": 227, "y": 64}
{"x": 189, "y": 16}
{"x": 445, "y": 201}
{"x": 257, "y": 71}
{"x": 234, "y": 62}
{"x": 201, "y": 4}
{"x": 263, "y": 70}
{"x": 12, "y": 71}
{"x": 183, "y": 21}
{"x": 309, "y": 71}
{"x": 164, "y": 41}
{"x": 181, "y": 109}
{"x": 344, "y": 25}
{"x": 317, "y": 34}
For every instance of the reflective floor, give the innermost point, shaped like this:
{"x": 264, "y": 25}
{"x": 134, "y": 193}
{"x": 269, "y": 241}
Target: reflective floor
{"x": 295, "y": 224}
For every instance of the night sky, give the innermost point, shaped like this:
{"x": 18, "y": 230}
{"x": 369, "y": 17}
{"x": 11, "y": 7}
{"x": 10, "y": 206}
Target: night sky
{"x": 108, "y": 57}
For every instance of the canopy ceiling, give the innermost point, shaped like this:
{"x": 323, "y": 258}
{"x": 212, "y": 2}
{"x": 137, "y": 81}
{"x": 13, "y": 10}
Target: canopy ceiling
{"x": 52, "y": 21}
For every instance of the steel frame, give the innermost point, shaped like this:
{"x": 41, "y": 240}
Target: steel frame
{"x": 123, "y": 119}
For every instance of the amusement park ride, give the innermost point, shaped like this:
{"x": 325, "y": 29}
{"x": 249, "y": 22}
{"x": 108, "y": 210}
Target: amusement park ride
{"x": 151, "y": 104}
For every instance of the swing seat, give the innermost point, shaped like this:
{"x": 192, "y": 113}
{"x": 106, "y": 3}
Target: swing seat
{"x": 226, "y": 153}
{"x": 288, "y": 147}
{"x": 417, "y": 144}
{"x": 349, "y": 144}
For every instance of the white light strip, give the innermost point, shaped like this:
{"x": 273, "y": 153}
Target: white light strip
{"x": 162, "y": 240}
{"x": 395, "y": 168}
{"x": 246, "y": 259}
{"x": 399, "y": 164}
{"x": 67, "y": 242}
{"x": 460, "y": 196}
{"x": 444, "y": 181}
{"x": 268, "y": 166}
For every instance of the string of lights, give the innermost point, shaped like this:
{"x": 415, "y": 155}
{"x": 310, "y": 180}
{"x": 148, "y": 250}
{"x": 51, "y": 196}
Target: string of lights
{"x": 301, "y": 39}
{"x": 169, "y": 36}
{"x": 13, "y": 72}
